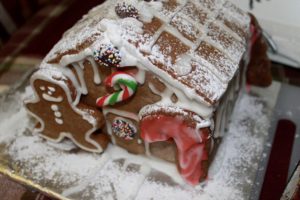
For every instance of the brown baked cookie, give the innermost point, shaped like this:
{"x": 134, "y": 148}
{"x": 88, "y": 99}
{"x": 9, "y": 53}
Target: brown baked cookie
{"x": 59, "y": 118}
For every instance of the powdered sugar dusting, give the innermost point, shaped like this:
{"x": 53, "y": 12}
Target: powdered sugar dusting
{"x": 48, "y": 164}
{"x": 118, "y": 175}
{"x": 189, "y": 22}
{"x": 188, "y": 29}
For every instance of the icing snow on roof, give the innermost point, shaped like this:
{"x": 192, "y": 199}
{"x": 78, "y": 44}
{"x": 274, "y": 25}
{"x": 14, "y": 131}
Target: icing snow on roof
{"x": 195, "y": 46}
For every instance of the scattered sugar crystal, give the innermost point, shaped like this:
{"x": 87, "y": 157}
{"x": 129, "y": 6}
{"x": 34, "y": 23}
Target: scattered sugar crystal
{"x": 111, "y": 176}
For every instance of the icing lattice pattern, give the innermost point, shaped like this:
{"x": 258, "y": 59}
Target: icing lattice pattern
{"x": 194, "y": 44}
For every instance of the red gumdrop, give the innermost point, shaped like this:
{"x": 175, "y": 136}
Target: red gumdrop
{"x": 191, "y": 143}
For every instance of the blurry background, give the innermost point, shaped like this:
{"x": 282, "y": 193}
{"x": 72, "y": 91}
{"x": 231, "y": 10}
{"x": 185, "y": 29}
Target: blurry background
{"x": 14, "y": 14}
{"x": 281, "y": 21}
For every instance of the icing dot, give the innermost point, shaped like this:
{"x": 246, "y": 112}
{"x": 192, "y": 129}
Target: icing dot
{"x": 52, "y": 89}
{"x": 49, "y": 92}
{"x": 42, "y": 88}
{"x": 108, "y": 55}
{"x": 54, "y": 107}
{"x": 124, "y": 10}
{"x": 124, "y": 129}
{"x": 57, "y": 114}
{"x": 59, "y": 121}
{"x": 183, "y": 66}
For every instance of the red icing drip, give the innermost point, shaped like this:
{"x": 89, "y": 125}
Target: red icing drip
{"x": 189, "y": 141}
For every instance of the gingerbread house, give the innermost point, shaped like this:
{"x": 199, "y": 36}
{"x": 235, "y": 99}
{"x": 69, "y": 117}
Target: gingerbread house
{"x": 156, "y": 77}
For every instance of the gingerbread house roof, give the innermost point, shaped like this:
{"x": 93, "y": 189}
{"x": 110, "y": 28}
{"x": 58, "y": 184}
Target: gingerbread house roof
{"x": 194, "y": 46}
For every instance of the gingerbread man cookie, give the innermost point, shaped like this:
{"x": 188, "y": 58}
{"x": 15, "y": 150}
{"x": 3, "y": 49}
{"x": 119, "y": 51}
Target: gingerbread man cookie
{"x": 59, "y": 118}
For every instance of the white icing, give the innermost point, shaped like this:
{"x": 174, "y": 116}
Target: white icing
{"x": 57, "y": 114}
{"x": 238, "y": 150}
{"x": 97, "y": 78}
{"x": 80, "y": 74}
{"x": 54, "y": 107}
{"x": 52, "y": 99}
{"x": 109, "y": 131}
{"x": 52, "y": 89}
{"x": 148, "y": 44}
{"x": 140, "y": 76}
{"x": 42, "y": 88}
{"x": 120, "y": 113}
{"x": 74, "y": 58}
{"x": 68, "y": 73}
{"x": 204, "y": 123}
{"x": 182, "y": 102}
{"x": 118, "y": 32}
{"x": 127, "y": 59}
{"x": 183, "y": 65}
{"x": 59, "y": 121}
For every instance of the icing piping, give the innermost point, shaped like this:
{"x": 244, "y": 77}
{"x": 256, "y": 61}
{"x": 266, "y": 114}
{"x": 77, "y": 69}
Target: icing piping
{"x": 52, "y": 89}
{"x": 182, "y": 102}
{"x": 52, "y": 99}
{"x": 59, "y": 121}
{"x": 54, "y": 107}
{"x": 97, "y": 79}
{"x": 57, "y": 114}
{"x": 122, "y": 113}
{"x": 79, "y": 72}
{"x": 140, "y": 76}
{"x": 190, "y": 93}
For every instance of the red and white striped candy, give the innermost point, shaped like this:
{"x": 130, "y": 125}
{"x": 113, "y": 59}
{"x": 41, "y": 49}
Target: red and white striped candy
{"x": 118, "y": 80}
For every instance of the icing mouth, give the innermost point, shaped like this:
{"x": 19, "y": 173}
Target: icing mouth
{"x": 52, "y": 99}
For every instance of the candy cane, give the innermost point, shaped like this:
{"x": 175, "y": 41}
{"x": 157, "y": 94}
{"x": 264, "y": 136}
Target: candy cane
{"x": 118, "y": 80}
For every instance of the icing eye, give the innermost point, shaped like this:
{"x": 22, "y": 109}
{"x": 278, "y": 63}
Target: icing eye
{"x": 124, "y": 10}
{"x": 108, "y": 55}
{"x": 42, "y": 88}
{"x": 52, "y": 89}
{"x": 124, "y": 129}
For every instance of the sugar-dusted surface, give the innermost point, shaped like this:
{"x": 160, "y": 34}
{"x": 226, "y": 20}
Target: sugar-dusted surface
{"x": 119, "y": 175}
{"x": 160, "y": 38}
